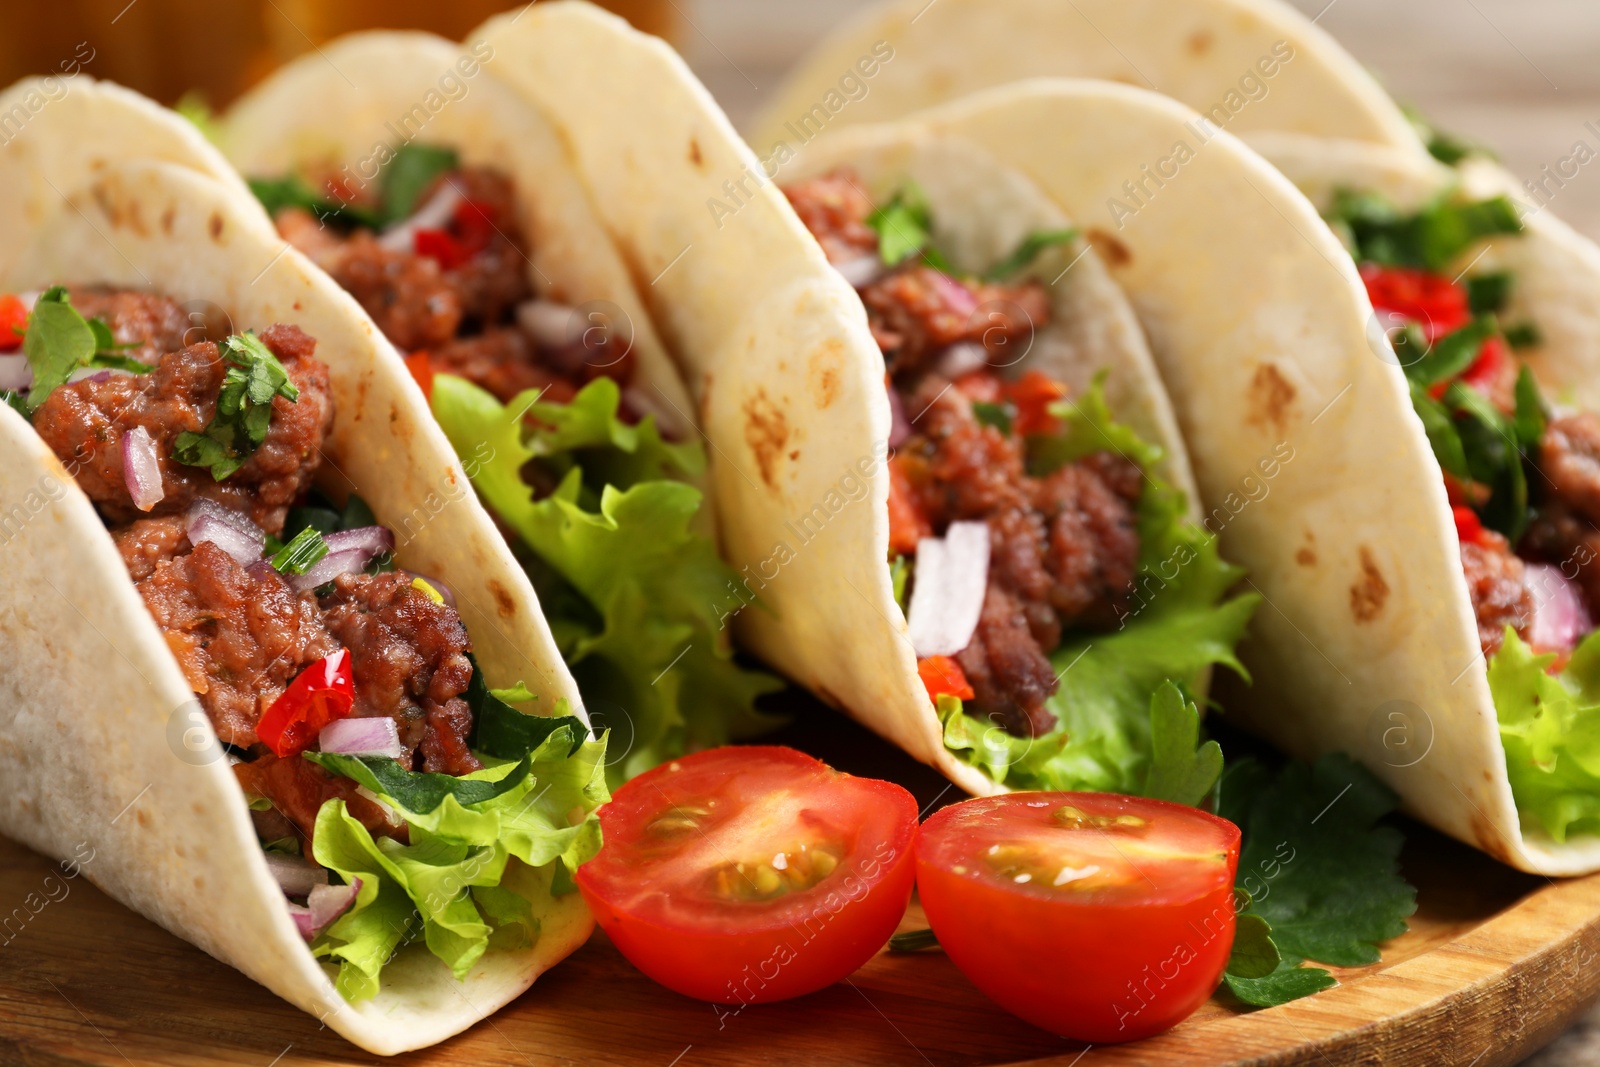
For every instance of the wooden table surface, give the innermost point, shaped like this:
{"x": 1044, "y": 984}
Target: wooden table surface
{"x": 1518, "y": 75}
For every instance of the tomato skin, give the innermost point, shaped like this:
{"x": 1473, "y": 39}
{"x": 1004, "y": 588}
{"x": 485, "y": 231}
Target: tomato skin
{"x": 738, "y": 953}
{"x": 1432, "y": 301}
{"x": 1033, "y": 393}
{"x": 441, "y": 246}
{"x": 907, "y": 522}
{"x": 13, "y": 322}
{"x": 321, "y": 693}
{"x": 1090, "y": 970}
{"x": 420, "y": 364}
{"x": 942, "y": 676}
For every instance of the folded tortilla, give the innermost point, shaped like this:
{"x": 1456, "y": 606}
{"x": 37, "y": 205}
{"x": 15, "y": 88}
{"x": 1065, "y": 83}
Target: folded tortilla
{"x": 101, "y": 740}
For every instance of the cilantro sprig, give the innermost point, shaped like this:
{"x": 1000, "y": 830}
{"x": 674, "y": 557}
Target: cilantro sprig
{"x": 1379, "y": 232}
{"x": 1027, "y": 250}
{"x": 59, "y": 341}
{"x": 905, "y": 228}
{"x": 244, "y": 408}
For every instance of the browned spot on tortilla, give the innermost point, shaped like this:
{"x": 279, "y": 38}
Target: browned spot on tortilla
{"x": 823, "y": 372}
{"x": 1109, "y": 248}
{"x": 142, "y": 816}
{"x": 1369, "y": 592}
{"x": 108, "y": 206}
{"x": 398, "y": 426}
{"x": 215, "y": 226}
{"x": 1305, "y": 557}
{"x": 297, "y": 305}
{"x": 503, "y": 601}
{"x": 794, "y": 455}
{"x": 199, "y": 881}
{"x": 1269, "y": 398}
{"x": 166, "y": 219}
{"x": 1200, "y": 42}
{"x": 694, "y": 153}
{"x": 766, "y": 431}
{"x": 136, "y": 219}
{"x": 826, "y": 696}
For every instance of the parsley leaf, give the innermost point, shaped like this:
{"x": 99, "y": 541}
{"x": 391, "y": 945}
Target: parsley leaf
{"x": 1494, "y": 458}
{"x": 244, "y": 408}
{"x": 1320, "y": 868}
{"x": 59, "y": 341}
{"x": 302, "y": 552}
{"x": 1488, "y": 292}
{"x": 1378, "y": 232}
{"x": 1523, "y": 335}
{"x": 905, "y": 227}
{"x": 406, "y": 176}
{"x": 1289, "y": 981}
{"x": 1026, "y": 252}
{"x": 996, "y": 415}
{"x": 1451, "y": 354}
{"x": 1179, "y": 770}
{"x": 276, "y": 194}
{"x": 1254, "y": 955}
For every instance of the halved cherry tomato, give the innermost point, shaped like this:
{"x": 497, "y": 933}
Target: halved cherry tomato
{"x": 323, "y": 692}
{"x": 438, "y": 245}
{"x": 1432, "y": 301}
{"x": 942, "y": 676}
{"x": 1033, "y": 393}
{"x": 1098, "y": 917}
{"x": 751, "y": 874}
{"x": 13, "y": 322}
{"x": 907, "y": 523}
{"x": 421, "y": 368}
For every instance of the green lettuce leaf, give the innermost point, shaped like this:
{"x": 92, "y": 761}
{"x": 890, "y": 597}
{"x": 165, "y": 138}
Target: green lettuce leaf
{"x": 1181, "y": 622}
{"x": 1550, "y": 727}
{"x": 486, "y": 852}
{"x": 630, "y": 583}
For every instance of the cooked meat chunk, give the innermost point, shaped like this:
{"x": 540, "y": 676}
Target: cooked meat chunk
{"x": 1094, "y": 545}
{"x": 503, "y": 361}
{"x": 84, "y": 423}
{"x": 298, "y": 788}
{"x": 834, "y": 207}
{"x": 408, "y": 655}
{"x": 1496, "y": 581}
{"x": 971, "y": 469}
{"x": 240, "y": 636}
{"x": 145, "y": 543}
{"x": 407, "y": 295}
{"x": 154, "y": 325}
{"x": 1559, "y": 537}
{"x": 1009, "y": 674}
{"x": 494, "y": 279}
{"x": 917, "y": 312}
{"x": 1569, "y": 458}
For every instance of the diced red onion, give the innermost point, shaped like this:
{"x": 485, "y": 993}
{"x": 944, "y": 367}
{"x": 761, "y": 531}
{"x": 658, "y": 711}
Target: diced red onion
{"x": 952, "y": 577}
{"x": 260, "y": 569}
{"x": 294, "y": 875}
{"x": 328, "y": 568}
{"x": 328, "y": 902}
{"x": 551, "y": 324}
{"x": 861, "y": 270}
{"x": 230, "y": 531}
{"x": 374, "y": 540}
{"x": 958, "y": 299}
{"x": 141, "y": 468}
{"x": 377, "y": 736}
{"x": 97, "y": 374}
{"x": 1559, "y": 619}
{"x": 899, "y": 425}
{"x": 960, "y": 358}
{"x": 302, "y": 920}
{"x": 15, "y": 372}
{"x": 433, "y": 215}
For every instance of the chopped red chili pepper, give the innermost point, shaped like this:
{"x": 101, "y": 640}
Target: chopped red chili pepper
{"x": 1033, "y": 393}
{"x": 907, "y": 523}
{"x": 323, "y": 692}
{"x": 1433, "y": 302}
{"x": 439, "y": 245}
{"x": 1468, "y": 527}
{"x": 421, "y": 368}
{"x": 13, "y": 322}
{"x": 943, "y": 676}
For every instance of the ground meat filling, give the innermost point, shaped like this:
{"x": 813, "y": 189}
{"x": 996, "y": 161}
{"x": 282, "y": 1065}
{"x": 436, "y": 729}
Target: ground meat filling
{"x": 242, "y": 634}
{"x": 1063, "y": 547}
{"x": 84, "y": 423}
{"x": 1495, "y": 581}
{"x": 463, "y": 315}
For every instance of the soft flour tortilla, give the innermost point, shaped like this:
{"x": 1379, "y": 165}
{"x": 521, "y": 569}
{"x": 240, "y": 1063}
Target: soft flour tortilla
{"x": 101, "y": 739}
{"x": 1262, "y": 330}
{"x": 1213, "y": 55}
{"x": 351, "y": 101}
{"x": 787, "y": 379}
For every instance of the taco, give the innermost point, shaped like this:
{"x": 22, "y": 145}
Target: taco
{"x": 1386, "y": 634}
{"x": 864, "y": 575}
{"x": 449, "y": 209}
{"x": 253, "y": 617}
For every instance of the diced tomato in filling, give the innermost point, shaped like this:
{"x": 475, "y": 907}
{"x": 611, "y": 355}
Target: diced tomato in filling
{"x": 1435, "y": 303}
{"x": 982, "y": 386}
{"x": 439, "y": 246}
{"x": 1468, "y": 527}
{"x": 323, "y": 692}
{"x": 1487, "y": 369}
{"x": 13, "y": 321}
{"x": 1033, "y": 393}
{"x": 474, "y": 225}
{"x": 907, "y": 523}
{"x": 943, "y": 676}
{"x": 421, "y": 368}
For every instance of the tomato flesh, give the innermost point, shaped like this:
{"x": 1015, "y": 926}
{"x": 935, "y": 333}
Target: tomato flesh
{"x": 751, "y": 874}
{"x": 321, "y": 693}
{"x": 1097, "y": 917}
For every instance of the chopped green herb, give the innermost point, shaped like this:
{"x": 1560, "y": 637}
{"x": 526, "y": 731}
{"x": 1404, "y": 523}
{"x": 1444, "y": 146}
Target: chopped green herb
{"x": 277, "y": 194}
{"x": 58, "y": 342}
{"x": 244, "y": 408}
{"x": 1523, "y": 335}
{"x": 304, "y": 550}
{"x": 1494, "y": 458}
{"x": 127, "y": 363}
{"x": 1026, "y": 252}
{"x": 997, "y": 415}
{"x": 905, "y": 227}
{"x": 1528, "y": 420}
{"x": 1488, "y": 292}
{"x": 1451, "y": 354}
{"x": 406, "y": 176}
{"x": 1431, "y": 238}
{"x": 1182, "y": 769}
{"x": 899, "y": 572}
{"x": 1441, "y": 431}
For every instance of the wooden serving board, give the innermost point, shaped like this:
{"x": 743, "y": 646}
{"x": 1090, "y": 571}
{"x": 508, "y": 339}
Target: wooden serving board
{"x": 1496, "y": 964}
